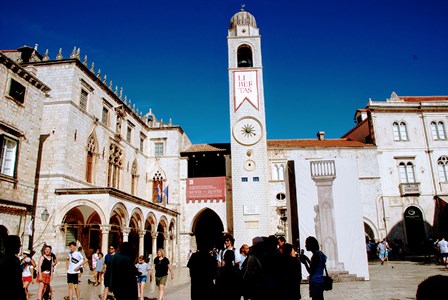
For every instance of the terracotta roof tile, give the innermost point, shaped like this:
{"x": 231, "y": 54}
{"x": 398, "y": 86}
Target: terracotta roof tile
{"x": 316, "y": 143}
{"x": 423, "y": 98}
{"x": 207, "y": 148}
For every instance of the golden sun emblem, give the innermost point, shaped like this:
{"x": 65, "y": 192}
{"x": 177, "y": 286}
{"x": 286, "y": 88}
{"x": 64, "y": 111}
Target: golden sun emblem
{"x": 248, "y": 130}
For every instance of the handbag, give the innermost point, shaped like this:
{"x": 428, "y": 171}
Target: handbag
{"x": 328, "y": 281}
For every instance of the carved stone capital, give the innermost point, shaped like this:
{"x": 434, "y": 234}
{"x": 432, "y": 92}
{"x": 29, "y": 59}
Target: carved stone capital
{"x": 125, "y": 230}
{"x": 105, "y": 228}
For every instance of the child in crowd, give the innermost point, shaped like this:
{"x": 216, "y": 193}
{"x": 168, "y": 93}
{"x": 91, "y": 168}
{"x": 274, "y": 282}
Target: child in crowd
{"x": 143, "y": 270}
{"x": 99, "y": 268}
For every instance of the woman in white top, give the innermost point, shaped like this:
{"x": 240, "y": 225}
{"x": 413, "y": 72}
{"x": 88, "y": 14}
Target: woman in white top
{"x": 27, "y": 274}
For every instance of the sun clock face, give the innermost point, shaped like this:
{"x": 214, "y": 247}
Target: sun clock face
{"x": 247, "y": 131}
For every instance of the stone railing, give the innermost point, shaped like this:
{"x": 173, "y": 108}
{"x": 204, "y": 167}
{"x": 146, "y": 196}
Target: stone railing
{"x": 408, "y": 189}
{"x": 322, "y": 168}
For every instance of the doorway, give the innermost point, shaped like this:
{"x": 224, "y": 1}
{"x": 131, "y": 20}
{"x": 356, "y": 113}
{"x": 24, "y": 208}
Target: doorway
{"x": 415, "y": 230}
{"x": 208, "y": 229}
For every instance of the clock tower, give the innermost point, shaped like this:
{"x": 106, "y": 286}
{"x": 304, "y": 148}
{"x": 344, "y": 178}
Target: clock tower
{"x": 250, "y": 190}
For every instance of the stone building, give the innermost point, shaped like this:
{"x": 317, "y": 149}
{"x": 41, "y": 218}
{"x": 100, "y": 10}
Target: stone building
{"x": 22, "y": 95}
{"x": 411, "y": 139}
{"x": 110, "y": 173}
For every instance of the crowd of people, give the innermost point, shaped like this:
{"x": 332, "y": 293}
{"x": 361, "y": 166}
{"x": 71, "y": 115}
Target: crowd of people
{"x": 269, "y": 269}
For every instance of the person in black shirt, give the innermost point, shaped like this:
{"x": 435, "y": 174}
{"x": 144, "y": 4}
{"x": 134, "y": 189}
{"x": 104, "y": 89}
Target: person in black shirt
{"x": 160, "y": 267}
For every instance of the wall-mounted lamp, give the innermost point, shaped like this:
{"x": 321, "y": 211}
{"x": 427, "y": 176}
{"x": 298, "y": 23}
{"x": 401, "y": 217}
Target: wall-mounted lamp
{"x": 45, "y": 214}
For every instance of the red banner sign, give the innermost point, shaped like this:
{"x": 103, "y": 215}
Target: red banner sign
{"x": 208, "y": 188}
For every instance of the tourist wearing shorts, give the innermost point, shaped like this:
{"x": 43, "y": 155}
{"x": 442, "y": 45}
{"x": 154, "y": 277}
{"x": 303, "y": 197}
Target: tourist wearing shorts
{"x": 443, "y": 248}
{"x": 143, "y": 270}
{"x": 74, "y": 262}
{"x": 161, "y": 266}
{"x": 44, "y": 270}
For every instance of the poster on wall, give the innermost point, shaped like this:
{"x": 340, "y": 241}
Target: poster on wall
{"x": 206, "y": 189}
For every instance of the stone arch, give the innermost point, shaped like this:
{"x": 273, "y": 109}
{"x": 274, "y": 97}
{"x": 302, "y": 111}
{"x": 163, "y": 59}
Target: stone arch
{"x": 162, "y": 231}
{"x": 370, "y": 230}
{"x": 120, "y": 210}
{"x": 135, "y": 225}
{"x": 80, "y": 221}
{"x": 63, "y": 211}
{"x": 150, "y": 235}
{"x": 207, "y": 229}
{"x": 245, "y": 56}
{"x": 118, "y": 220}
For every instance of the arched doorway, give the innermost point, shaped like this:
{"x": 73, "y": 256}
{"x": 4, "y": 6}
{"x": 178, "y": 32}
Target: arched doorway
{"x": 415, "y": 230}
{"x": 208, "y": 229}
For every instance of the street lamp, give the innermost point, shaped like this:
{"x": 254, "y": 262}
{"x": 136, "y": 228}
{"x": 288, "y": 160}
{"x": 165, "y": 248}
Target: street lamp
{"x": 45, "y": 214}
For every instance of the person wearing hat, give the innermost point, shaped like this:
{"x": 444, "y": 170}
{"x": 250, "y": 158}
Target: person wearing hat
{"x": 27, "y": 274}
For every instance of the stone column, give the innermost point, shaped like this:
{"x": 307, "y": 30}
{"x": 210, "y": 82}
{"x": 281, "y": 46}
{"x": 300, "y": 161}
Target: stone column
{"x": 166, "y": 244}
{"x": 154, "y": 244}
{"x": 126, "y": 231}
{"x": 105, "y": 238}
{"x": 323, "y": 173}
{"x": 141, "y": 242}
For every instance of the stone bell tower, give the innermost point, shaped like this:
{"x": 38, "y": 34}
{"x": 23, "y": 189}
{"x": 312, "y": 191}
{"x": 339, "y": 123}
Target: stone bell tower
{"x": 250, "y": 172}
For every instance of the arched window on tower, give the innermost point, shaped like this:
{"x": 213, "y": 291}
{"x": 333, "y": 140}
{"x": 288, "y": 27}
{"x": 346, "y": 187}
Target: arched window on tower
{"x": 244, "y": 56}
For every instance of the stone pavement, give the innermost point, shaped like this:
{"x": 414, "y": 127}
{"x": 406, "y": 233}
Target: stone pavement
{"x": 392, "y": 281}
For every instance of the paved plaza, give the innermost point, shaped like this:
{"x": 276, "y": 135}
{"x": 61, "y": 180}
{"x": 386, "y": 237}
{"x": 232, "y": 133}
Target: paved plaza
{"x": 395, "y": 280}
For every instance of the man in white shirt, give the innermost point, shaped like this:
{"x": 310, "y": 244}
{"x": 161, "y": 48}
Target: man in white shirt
{"x": 443, "y": 248}
{"x": 228, "y": 245}
{"x": 74, "y": 262}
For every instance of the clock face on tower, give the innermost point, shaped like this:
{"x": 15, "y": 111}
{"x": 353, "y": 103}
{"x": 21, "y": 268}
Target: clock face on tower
{"x": 247, "y": 131}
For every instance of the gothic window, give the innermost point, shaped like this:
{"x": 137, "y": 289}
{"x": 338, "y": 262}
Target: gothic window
{"x": 442, "y": 165}
{"x": 90, "y": 162}
{"x": 400, "y": 131}
{"x": 17, "y": 91}
{"x": 142, "y": 142}
{"x": 157, "y": 186}
{"x": 134, "y": 178}
{"x": 438, "y": 130}
{"x": 278, "y": 171}
{"x": 244, "y": 56}
{"x": 406, "y": 172}
{"x": 129, "y": 132}
{"x": 8, "y": 156}
{"x": 115, "y": 165}
{"x": 105, "y": 116}
{"x": 158, "y": 149}
{"x": 83, "y": 99}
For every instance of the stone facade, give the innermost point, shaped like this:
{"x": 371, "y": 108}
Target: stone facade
{"x": 21, "y": 97}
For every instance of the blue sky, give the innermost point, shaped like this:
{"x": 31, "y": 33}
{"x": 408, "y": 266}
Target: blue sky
{"x": 322, "y": 59}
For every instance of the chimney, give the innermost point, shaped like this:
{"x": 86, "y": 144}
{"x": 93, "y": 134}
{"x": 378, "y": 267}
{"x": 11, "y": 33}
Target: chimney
{"x": 321, "y": 135}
